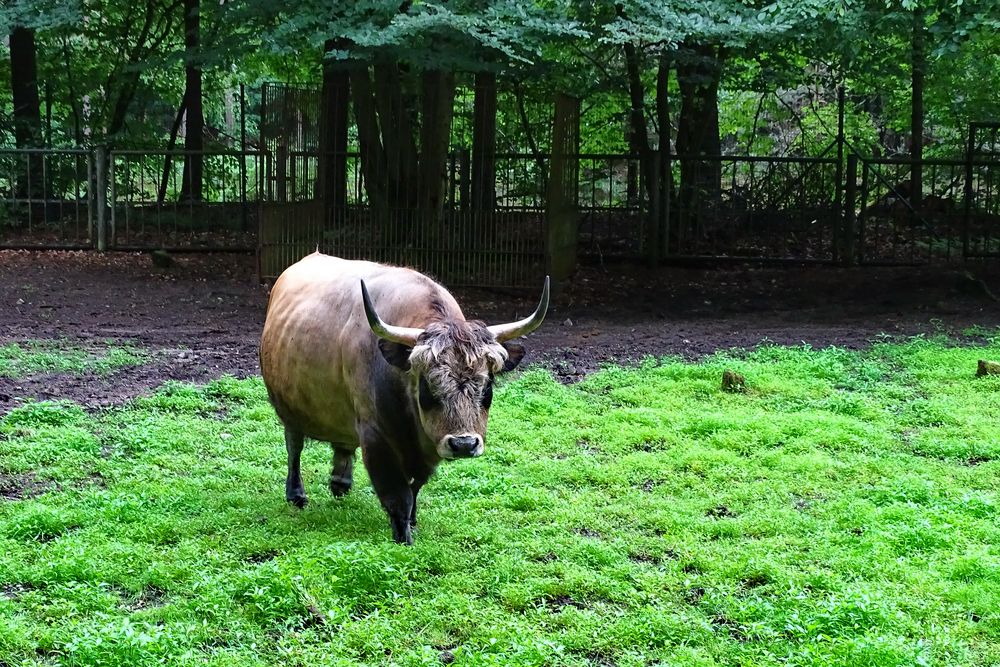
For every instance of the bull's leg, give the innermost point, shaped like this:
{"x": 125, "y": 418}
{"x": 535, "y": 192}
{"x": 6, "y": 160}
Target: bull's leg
{"x": 392, "y": 487}
{"x": 342, "y": 471}
{"x": 295, "y": 493}
{"x": 415, "y": 486}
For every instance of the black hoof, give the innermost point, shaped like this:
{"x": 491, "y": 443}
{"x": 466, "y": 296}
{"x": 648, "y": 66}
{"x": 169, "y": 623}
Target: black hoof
{"x": 299, "y": 501}
{"x": 403, "y": 536}
{"x": 338, "y": 488}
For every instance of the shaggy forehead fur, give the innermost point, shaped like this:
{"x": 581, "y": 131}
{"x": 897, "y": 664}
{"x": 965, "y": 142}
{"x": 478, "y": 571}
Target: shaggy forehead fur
{"x": 454, "y": 354}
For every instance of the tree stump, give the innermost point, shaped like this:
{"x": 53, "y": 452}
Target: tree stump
{"x": 733, "y": 382}
{"x": 987, "y": 368}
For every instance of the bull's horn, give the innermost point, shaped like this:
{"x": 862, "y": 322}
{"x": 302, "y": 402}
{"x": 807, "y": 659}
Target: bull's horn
{"x": 404, "y": 335}
{"x": 504, "y": 332}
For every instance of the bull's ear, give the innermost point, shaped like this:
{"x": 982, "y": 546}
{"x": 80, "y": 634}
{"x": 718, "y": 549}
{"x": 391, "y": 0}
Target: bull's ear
{"x": 515, "y": 353}
{"x": 396, "y": 354}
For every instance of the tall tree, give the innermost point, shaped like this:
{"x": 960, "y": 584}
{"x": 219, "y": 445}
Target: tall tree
{"x": 27, "y": 113}
{"x": 333, "y": 130}
{"x": 194, "y": 127}
{"x": 484, "y": 141}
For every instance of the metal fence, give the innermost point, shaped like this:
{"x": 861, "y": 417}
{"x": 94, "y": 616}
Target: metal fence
{"x": 47, "y": 198}
{"x": 504, "y": 245}
{"x": 863, "y": 210}
{"x": 956, "y": 215}
{"x": 154, "y": 202}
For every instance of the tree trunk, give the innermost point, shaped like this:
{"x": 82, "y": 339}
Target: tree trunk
{"x": 194, "y": 160}
{"x": 664, "y": 175}
{"x": 639, "y": 143}
{"x": 396, "y": 122}
{"x": 333, "y": 133}
{"x": 698, "y": 134}
{"x": 161, "y": 195}
{"x": 484, "y": 142}
{"x": 373, "y": 162}
{"x": 437, "y": 102}
{"x": 27, "y": 110}
{"x": 918, "y": 67}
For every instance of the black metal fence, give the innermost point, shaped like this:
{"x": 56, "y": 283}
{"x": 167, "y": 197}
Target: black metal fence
{"x": 154, "y": 202}
{"x": 955, "y": 217}
{"x": 863, "y": 210}
{"x": 47, "y": 198}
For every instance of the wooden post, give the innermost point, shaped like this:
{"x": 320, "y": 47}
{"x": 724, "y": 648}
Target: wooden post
{"x": 561, "y": 204}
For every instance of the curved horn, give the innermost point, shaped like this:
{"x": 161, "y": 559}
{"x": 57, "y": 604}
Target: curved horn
{"x": 403, "y": 335}
{"x": 505, "y": 332}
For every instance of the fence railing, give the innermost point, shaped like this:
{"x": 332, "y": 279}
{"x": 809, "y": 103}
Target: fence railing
{"x": 735, "y": 207}
{"x": 156, "y": 199}
{"x": 47, "y": 197}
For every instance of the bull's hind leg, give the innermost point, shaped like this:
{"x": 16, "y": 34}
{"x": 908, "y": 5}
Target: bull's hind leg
{"x": 342, "y": 471}
{"x": 295, "y": 493}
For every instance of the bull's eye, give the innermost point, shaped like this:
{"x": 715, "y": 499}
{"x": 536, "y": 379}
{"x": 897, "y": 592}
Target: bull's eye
{"x": 427, "y": 399}
{"x": 488, "y": 395}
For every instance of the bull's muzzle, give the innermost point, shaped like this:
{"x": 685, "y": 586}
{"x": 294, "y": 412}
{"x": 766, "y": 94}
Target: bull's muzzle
{"x": 463, "y": 446}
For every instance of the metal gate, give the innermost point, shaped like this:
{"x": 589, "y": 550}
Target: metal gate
{"x": 955, "y": 216}
{"x": 152, "y": 206}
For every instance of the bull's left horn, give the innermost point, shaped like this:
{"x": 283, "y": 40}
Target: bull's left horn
{"x": 404, "y": 335}
{"x": 504, "y": 332}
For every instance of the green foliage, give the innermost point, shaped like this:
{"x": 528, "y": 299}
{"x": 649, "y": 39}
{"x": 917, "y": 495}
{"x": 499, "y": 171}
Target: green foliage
{"x": 841, "y": 511}
{"x": 62, "y": 356}
{"x": 99, "y": 57}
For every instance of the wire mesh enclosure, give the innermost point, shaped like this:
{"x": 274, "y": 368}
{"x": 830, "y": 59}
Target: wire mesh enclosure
{"x": 457, "y": 243}
{"x": 484, "y": 225}
{"x": 46, "y": 198}
{"x": 154, "y": 201}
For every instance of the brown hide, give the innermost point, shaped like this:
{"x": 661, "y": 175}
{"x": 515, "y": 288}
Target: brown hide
{"x": 317, "y": 349}
{"x": 410, "y": 389}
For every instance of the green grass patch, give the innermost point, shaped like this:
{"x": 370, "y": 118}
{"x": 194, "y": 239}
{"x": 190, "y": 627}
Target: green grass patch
{"x": 842, "y": 511}
{"x": 63, "y": 356}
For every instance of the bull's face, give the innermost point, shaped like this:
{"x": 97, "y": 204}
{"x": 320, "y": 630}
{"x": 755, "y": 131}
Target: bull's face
{"x": 450, "y": 367}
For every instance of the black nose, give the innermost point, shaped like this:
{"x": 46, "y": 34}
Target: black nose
{"x": 463, "y": 445}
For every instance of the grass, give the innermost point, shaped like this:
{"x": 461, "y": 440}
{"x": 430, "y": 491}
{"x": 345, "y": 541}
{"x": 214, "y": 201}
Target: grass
{"x": 60, "y": 356}
{"x": 843, "y": 511}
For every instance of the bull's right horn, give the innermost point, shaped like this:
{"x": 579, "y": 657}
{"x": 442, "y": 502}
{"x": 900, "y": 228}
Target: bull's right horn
{"x": 505, "y": 332}
{"x": 403, "y": 335}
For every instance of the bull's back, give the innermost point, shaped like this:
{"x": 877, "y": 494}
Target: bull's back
{"x": 316, "y": 345}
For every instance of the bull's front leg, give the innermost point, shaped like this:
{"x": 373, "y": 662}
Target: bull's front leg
{"x": 295, "y": 492}
{"x": 391, "y": 485}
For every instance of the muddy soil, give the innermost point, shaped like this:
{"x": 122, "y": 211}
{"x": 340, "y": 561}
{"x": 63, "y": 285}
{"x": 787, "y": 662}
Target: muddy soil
{"x": 202, "y": 317}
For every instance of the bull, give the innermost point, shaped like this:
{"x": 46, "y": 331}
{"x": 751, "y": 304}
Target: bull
{"x": 410, "y": 394}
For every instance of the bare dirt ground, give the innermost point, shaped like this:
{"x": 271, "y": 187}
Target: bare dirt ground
{"x": 202, "y": 318}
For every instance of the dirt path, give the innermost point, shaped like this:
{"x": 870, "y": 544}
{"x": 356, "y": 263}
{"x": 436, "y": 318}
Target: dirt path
{"x": 202, "y": 318}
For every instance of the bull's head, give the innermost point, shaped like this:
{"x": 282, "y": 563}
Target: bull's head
{"x": 450, "y": 367}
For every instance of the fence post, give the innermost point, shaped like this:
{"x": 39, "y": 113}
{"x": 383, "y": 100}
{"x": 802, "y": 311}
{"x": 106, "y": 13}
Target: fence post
{"x": 848, "y": 231}
{"x": 101, "y": 192}
{"x": 967, "y": 191}
{"x": 841, "y": 208}
{"x": 243, "y": 159}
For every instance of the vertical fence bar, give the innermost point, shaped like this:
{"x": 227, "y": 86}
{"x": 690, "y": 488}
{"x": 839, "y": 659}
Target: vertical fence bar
{"x": 967, "y": 204}
{"x": 839, "y": 208}
{"x": 100, "y": 166}
{"x": 849, "y": 208}
{"x": 91, "y": 222}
